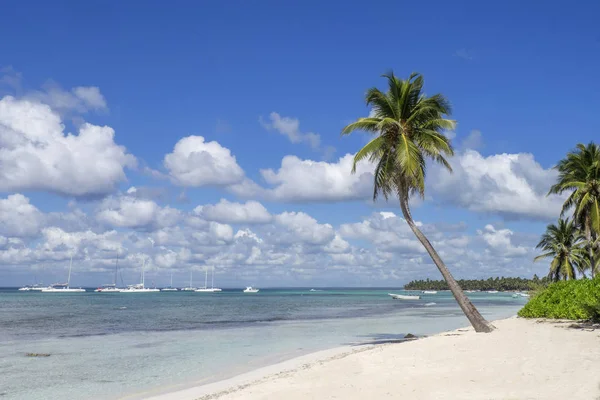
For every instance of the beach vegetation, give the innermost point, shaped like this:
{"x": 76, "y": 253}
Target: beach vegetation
{"x": 574, "y": 299}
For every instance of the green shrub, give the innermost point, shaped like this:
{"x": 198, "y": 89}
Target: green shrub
{"x": 577, "y": 299}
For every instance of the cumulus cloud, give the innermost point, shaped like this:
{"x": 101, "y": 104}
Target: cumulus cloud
{"x": 251, "y": 212}
{"x": 510, "y": 185}
{"x": 319, "y": 181}
{"x": 195, "y": 162}
{"x": 38, "y": 155}
{"x": 303, "y": 227}
{"x": 18, "y": 217}
{"x": 499, "y": 241}
{"x": 131, "y": 212}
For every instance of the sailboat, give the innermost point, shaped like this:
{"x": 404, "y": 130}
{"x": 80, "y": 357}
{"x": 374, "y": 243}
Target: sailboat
{"x": 189, "y": 288}
{"x": 111, "y": 288}
{"x": 170, "y": 288}
{"x": 207, "y": 289}
{"x": 140, "y": 288}
{"x": 63, "y": 287}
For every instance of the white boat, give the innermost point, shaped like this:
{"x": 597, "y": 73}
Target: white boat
{"x": 63, "y": 287}
{"x": 170, "y": 288}
{"x": 140, "y": 288}
{"x": 29, "y": 288}
{"x": 429, "y": 292}
{"x": 515, "y": 295}
{"x": 404, "y": 297}
{"x": 524, "y": 294}
{"x": 190, "y": 288}
{"x": 470, "y": 291}
{"x": 492, "y": 291}
{"x": 207, "y": 289}
{"x": 112, "y": 287}
{"x": 250, "y": 289}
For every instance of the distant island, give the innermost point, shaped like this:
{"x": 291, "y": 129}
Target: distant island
{"x": 497, "y": 283}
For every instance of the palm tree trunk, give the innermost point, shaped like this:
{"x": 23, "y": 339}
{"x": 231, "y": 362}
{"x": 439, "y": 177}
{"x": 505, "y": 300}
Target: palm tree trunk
{"x": 479, "y": 323}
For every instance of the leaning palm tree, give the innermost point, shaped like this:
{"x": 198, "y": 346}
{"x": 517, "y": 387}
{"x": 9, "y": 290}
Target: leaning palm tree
{"x": 565, "y": 244}
{"x": 409, "y": 129}
{"x": 579, "y": 173}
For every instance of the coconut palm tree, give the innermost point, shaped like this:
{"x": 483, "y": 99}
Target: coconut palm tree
{"x": 409, "y": 129}
{"x": 579, "y": 173}
{"x": 565, "y": 244}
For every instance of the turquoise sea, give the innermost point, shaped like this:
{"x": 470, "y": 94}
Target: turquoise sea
{"x": 112, "y": 345}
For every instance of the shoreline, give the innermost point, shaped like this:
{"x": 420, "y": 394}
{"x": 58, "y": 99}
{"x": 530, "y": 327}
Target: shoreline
{"x": 334, "y": 370}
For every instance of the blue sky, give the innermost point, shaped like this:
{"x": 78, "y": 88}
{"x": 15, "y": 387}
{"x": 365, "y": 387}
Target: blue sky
{"x": 522, "y": 79}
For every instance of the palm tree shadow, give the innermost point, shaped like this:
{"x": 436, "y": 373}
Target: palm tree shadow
{"x": 384, "y": 338}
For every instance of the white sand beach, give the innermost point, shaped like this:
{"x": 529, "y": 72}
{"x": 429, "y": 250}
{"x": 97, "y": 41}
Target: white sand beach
{"x": 522, "y": 359}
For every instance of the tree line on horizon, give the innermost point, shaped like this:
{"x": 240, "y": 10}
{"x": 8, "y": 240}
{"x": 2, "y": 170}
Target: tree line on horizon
{"x": 497, "y": 283}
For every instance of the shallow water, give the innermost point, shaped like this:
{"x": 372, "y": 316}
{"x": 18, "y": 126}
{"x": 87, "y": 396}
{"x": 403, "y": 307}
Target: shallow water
{"x": 106, "y": 346}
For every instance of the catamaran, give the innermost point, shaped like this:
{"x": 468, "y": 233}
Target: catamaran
{"x": 140, "y": 288}
{"x": 35, "y": 287}
{"x": 250, "y": 289}
{"x": 170, "y": 288}
{"x": 207, "y": 289}
{"x": 63, "y": 287}
{"x": 111, "y": 288}
{"x": 189, "y": 288}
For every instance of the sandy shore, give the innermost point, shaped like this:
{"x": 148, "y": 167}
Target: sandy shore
{"x": 523, "y": 359}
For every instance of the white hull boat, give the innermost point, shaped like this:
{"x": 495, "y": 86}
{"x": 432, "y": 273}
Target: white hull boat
{"x": 63, "y": 287}
{"x": 62, "y": 290}
{"x": 492, "y": 291}
{"x": 170, "y": 288}
{"x": 250, "y": 289}
{"x": 403, "y": 297}
{"x": 207, "y": 289}
{"x": 429, "y": 292}
{"x": 108, "y": 289}
{"x": 140, "y": 288}
{"x": 111, "y": 288}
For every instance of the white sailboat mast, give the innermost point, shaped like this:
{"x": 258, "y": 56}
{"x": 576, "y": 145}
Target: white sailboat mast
{"x": 205, "y": 278}
{"x": 70, "y": 266}
{"x": 212, "y": 285}
{"x": 143, "y": 265}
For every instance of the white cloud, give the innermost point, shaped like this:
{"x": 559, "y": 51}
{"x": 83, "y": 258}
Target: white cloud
{"x": 290, "y": 127}
{"x": 80, "y": 99}
{"x": 251, "y": 212}
{"x": 18, "y": 217}
{"x": 131, "y": 212}
{"x": 195, "y": 162}
{"x": 499, "y": 241}
{"x": 303, "y": 227}
{"x": 306, "y": 180}
{"x": 37, "y": 154}
{"x": 511, "y": 185}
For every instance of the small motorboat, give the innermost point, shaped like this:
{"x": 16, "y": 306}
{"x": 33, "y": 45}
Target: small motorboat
{"x": 429, "y": 292}
{"x": 250, "y": 289}
{"x": 403, "y": 297}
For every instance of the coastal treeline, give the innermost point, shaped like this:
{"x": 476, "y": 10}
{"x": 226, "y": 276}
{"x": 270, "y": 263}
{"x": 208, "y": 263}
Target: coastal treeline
{"x": 497, "y": 283}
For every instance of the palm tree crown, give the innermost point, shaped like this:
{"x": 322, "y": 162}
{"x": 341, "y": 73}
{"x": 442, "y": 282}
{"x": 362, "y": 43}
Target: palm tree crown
{"x": 409, "y": 128}
{"x": 564, "y": 243}
{"x": 580, "y": 172}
